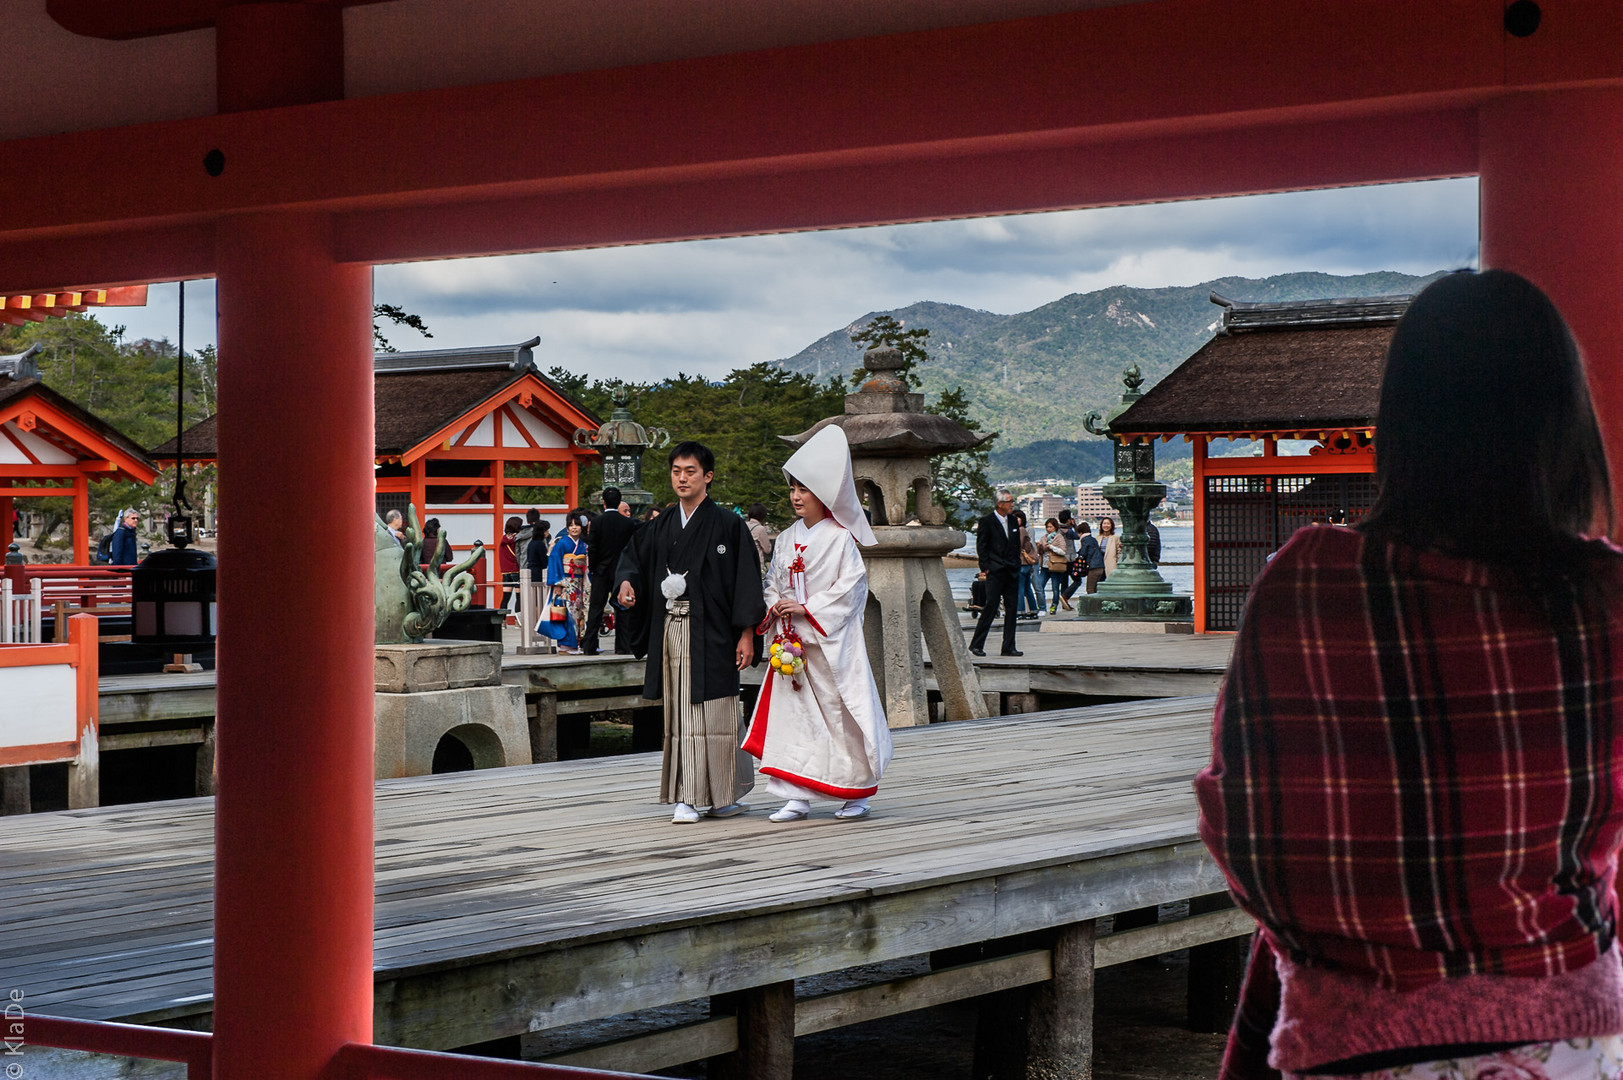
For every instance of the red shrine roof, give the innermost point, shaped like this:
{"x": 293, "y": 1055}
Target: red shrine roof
{"x": 1302, "y": 369}
{"x": 422, "y": 400}
{"x": 43, "y": 434}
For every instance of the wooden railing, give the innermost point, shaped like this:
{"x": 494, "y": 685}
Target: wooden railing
{"x": 21, "y": 613}
{"x": 355, "y": 1061}
{"x": 51, "y": 695}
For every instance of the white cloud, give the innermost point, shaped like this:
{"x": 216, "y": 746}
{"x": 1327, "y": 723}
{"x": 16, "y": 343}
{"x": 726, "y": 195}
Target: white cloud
{"x": 707, "y": 307}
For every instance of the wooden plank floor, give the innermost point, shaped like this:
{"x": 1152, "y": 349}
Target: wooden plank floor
{"x": 108, "y": 911}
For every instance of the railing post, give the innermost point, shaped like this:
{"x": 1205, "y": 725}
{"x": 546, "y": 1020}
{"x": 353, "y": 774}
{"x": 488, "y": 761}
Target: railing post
{"x": 526, "y": 614}
{"x": 84, "y": 772}
{"x": 36, "y": 627}
{"x": 5, "y": 613}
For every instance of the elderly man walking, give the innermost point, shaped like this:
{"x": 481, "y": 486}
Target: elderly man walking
{"x": 997, "y": 547}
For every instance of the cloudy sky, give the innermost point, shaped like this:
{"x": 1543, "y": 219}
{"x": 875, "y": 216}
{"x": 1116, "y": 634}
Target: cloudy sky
{"x": 707, "y": 307}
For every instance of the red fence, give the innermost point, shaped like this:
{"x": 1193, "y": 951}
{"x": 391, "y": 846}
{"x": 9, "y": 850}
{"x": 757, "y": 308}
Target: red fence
{"x": 356, "y": 1061}
{"x": 87, "y": 587}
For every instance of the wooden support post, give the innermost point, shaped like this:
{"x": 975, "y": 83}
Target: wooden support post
{"x": 1019, "y": 703}
{"x": 543, "y": 718}
{"x": 1215, "y": 972}
{"x": 205, "y": 782}
{"x": 16, "y": 791}
{"x": 84, "y": 777}
{"x": 766, "y": 1033}
{"x": 1059, "y": 1027}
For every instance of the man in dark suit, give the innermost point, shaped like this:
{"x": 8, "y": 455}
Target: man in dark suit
{"x": 998, "y": 550}
{"x": 611, "y": 531}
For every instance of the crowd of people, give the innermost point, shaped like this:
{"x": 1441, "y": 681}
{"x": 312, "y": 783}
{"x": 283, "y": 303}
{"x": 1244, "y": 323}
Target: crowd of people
{"x": 1021, "y": 568}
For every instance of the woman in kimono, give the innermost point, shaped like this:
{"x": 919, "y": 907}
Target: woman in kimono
{"x": 566, "y": 575}
{"x": 819, "y": 724}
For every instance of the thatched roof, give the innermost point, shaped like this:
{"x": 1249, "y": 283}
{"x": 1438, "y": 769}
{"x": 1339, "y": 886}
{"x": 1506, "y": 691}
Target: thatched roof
{"x": 1282, "y": 368}
{"x": 415, "y": 395}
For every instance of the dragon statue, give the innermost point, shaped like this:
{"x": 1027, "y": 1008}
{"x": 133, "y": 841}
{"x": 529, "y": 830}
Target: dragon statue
{"x": 431, "y": 596}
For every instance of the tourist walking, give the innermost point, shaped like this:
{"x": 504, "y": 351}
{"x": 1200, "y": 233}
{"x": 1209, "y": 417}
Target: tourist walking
{"x": 1056, "y": 566}
{"x": 760, "y": 532}
{"x": 122, "y": 549}
{"x": 819, "y": 724}
{"x": 1090, "y": 556}
{"x": 1110, "y": 544}
{"x": 1028, "y": 605}
{"x": 693, "y": 582}
{"x": 611, "y": 531}
{"x": 997, "y": 549}
{"x": 1417, "y": 753}
{"x": 1077, "y": 569}
{"x": 507, "y": 562}
{"x": 539, "y": 548}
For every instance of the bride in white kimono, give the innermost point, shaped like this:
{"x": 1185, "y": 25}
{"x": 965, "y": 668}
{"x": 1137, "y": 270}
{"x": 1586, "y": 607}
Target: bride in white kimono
{"x": 819, "y": 725}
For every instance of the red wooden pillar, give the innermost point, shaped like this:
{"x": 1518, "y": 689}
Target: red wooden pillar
{"x": 293, "y": 817}
{"x": 81, "y": 520}
{"x": 1198, "y": 453}
{"x": 1552, "y": 184}
{"x": 7, "y": 509}
{"x": 293, "y": 885}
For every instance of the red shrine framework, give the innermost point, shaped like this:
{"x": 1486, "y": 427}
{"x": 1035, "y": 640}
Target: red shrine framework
{"x": 287, "y": 190}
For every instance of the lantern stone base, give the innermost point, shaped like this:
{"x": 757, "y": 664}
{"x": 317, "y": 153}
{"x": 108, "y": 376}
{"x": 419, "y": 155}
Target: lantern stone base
{"x": 437, "y": 665}
{"x": 435, "y": 689}
{"x": 1159, "y": 608}
{"x": 910, "y": 608}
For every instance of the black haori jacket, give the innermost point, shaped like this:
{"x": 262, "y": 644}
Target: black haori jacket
{"x": 724, "y": 588}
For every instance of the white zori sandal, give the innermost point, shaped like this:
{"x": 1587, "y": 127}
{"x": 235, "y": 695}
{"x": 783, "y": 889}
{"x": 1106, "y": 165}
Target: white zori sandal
{"x": 856, "y": 808}
{"x": 793, "y": 810}
{"x": 685, "y": 815}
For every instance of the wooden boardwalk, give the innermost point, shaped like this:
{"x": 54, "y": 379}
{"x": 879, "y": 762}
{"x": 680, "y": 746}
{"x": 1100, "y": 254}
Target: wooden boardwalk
{"x": 522, "y": 899}
{"x": 1102, "y": 663}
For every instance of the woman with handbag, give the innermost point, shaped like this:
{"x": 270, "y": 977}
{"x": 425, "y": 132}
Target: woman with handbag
{"x": 566, "y": 579}
{"x": 1055, "y": 566}
{"x": 1027, "y": 602}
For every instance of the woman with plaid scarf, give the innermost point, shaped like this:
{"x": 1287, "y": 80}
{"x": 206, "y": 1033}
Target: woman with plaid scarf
{"x": 1415, "y": 772}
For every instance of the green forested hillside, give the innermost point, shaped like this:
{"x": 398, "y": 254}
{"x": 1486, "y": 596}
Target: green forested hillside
{"x": 1034, "y": 375}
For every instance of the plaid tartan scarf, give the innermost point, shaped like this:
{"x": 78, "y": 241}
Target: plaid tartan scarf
{"x": 1415, "y": 758}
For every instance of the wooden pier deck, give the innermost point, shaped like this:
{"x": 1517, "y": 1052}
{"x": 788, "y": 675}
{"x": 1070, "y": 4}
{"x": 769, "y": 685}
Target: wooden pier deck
{"x": 523, "y": 899}
{"x": 1105, "y": 664}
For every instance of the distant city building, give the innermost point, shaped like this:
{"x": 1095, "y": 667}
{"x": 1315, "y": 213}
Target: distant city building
{"x": 1090, "y": 502}
{"x": 1040, "y": 506}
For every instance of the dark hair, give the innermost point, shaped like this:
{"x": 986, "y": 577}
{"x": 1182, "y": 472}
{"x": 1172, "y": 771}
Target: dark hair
{"x": 1083, "y": 527}
{"x": 532, "y": 515}
{"x": 1019, "y": 518}
{"x": 431, "y": 526}
{"x": 697, "y": 451}
{"x": 1484, "y": 391}
{"x": 758, "y": 511}
{"x": 1064, "y": 517}
{"x": 513, "y": 525}
{"x": 1052, "y": 522}
{"x": 611, "y": 498}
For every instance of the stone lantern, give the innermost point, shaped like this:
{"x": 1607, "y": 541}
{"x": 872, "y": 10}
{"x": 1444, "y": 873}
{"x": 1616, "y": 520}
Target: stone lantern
{"x": 1135, "y": 590}
{"x": 621, "y": 441}
{"x": 892, "y": 440}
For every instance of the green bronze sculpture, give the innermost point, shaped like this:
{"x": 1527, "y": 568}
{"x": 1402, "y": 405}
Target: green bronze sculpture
{"x": 413, "y": 602}
{"x": 430, "y": 597}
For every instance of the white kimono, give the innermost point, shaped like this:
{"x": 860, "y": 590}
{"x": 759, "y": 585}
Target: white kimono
{"x": 829, "y": 738}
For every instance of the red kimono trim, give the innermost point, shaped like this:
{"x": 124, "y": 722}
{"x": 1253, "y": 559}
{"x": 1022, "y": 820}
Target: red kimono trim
{"x": 818, "y": 785}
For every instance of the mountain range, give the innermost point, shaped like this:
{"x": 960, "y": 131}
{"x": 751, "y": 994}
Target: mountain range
{"x": 1032, "y": 376}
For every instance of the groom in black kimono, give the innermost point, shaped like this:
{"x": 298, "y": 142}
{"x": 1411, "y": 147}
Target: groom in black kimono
{"x": 691, "y": 581}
